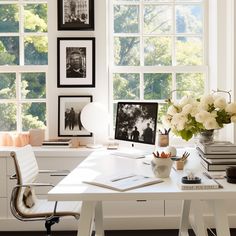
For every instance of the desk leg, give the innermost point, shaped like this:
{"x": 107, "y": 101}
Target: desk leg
{"x": 221, "y": 218}
{"x": 99, "y": 219}
{"x": 86, "y": 218}
{"x": 199, "y": 227}
{"x": 184, "y": 223}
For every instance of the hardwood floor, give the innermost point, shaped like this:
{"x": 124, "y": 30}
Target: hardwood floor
{"x": 109, "y": 233}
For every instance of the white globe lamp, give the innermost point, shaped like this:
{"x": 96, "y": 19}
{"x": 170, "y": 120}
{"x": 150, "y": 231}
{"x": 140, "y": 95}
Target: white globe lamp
{"x": 94, "y": 118}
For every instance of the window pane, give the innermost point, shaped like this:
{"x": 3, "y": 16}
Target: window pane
{"x": 162, "y": 110}
{"x": 126, "y": 51}
{"x": 36, "y": 49}
{"x": 157, "y": 86}
{"x": 9, "y": 18}
{"x": 157, "y": 51}
{"x": 189, "y": 51}
{"x": 126, "y": 86}
{"x": 191, "y": 83}
{"x": 157, "y": 19}
{"x": 9, "y": 50}
{"x": 189, "y": 19}
{"x": 7, "y": 85}
{"x": 35, "y": 18}
{"x": 33, "y": 116}
{"x": 8, "y": 117}
{"x": 33, "y": 85}
{"x": 126, "y": 19}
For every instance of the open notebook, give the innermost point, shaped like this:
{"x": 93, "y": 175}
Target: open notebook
{"x": 123, "y": 182}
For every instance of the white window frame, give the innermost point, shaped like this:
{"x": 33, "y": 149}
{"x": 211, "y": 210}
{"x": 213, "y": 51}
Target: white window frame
{"x": 21, "y": 68}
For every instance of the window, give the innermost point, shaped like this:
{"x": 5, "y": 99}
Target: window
{"x": 23, "y": 64}
{"x": 157, "y": 46}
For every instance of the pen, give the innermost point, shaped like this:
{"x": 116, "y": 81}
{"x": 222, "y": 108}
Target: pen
{"x": 121, "y": 178}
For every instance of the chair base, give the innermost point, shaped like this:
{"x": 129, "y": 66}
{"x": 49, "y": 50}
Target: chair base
{"x": 49, "y": 223}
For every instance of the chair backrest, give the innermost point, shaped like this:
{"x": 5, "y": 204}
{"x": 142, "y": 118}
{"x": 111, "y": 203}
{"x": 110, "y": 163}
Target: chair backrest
{"x": 27, "y": 170}
{"x": 25, "y": 164}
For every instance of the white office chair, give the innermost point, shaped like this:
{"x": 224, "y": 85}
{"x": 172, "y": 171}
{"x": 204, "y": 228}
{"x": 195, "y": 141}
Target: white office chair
{"x": 24, "y": 204}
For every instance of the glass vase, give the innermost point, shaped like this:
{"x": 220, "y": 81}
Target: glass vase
{"x": 206, "y": 136}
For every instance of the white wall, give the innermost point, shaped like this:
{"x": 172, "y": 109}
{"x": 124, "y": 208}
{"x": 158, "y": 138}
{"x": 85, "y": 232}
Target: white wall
{"x": 100, "y": 92}
{"x": 221, "y": 58}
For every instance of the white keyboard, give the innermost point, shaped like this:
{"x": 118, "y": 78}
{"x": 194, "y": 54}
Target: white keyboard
{"x": 134, "y": 155}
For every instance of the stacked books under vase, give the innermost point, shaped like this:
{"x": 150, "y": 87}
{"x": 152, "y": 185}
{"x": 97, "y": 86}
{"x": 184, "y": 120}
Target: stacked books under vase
{"x": 64, "y": 143}
{"x": 217, "y": 156}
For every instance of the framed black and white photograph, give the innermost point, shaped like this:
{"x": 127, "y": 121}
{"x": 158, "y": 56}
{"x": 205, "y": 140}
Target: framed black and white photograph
{"x": 69, "y": 112}
{"x": 76, "y": 62}
{"x": 75, "y": 14}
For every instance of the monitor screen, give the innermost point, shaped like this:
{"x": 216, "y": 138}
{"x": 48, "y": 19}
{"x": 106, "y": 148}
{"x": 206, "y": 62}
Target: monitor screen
{"x": 136, "y": 122}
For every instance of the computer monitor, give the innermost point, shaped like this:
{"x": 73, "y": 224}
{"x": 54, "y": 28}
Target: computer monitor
{"x": 136, "y": 123}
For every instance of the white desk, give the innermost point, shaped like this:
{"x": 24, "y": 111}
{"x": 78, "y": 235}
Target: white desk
{"x": 71, "y": 188}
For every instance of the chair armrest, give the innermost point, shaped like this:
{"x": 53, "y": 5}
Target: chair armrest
{"x": 35, "y": 185}
{"x": 55, "y": 172}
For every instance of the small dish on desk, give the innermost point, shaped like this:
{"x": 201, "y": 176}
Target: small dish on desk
{"x": 195, "y": 180}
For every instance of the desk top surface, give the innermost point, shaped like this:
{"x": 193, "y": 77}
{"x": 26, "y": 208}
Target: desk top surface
{"x": 103, "y": 162}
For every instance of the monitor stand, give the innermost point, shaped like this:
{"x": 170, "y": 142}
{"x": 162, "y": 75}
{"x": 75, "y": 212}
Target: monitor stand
{"x": 132, "y": 152}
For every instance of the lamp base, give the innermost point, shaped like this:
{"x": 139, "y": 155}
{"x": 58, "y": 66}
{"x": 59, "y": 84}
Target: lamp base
{"x": 94, "y": 146}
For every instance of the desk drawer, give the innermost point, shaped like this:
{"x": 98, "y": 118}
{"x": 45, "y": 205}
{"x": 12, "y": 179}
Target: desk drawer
{"x": 131, "y": 208}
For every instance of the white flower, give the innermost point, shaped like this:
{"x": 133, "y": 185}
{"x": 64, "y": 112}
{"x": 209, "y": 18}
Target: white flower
{"x": 166, "y": 120}
{"x": 233, "y": 118}
{"x": 187, "y": 109}
{"x": 179, "y": 120}
{"x": 231, "y": 108}
{"x": 207, "y": 99}
{"x": 220, "y": 103}
{"x": 185, "y": 100}
{"x": 202, "y": 116}
{"x": 210, "y": 123}
{"x": 172, "y": 110}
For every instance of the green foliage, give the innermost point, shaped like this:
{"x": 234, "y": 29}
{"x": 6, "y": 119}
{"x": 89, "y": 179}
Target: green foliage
{"x": 126, "y": 19}
{"x": 157, "y": 86}
{"x": 9, "y": 50}
{"x": 9, "y": 18}
{"x": 126, "y": 86}
{"x": 35, "y": 18}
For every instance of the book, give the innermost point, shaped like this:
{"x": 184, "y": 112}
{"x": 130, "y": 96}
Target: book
{"x": 123, "y": 182}
{"x": 57, "y": 143}
{"x": 216, "y": 166}
{"x": 230, "y": 157}
{"x": 218, "y": 147}
{"x": 206, "y": 183}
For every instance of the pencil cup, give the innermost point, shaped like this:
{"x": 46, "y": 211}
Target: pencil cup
{"x": 179, "y": 165}
{"x": 163, "y": 140}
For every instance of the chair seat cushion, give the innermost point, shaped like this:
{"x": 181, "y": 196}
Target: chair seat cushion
{"x": 44, "y": 208}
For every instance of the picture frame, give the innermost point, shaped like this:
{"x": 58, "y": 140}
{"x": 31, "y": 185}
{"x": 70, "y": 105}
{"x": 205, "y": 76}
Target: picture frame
{"x": 76, "y": 62}
{"x": 69, "y": 110}
{"x": 75, "y": 14}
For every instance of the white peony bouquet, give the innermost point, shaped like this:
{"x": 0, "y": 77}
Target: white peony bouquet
{"x": 191, "y": 116}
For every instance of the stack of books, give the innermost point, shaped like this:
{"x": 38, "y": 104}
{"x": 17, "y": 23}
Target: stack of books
{"x": 217, "y": 156}
{"x": 57, "y": 143}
